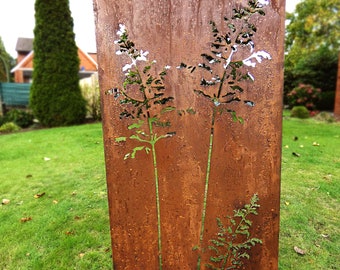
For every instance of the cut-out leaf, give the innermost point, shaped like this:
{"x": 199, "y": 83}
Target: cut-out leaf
{"x": 168, "y": 109}
{"x": 135, "y": 150}
{"x": 120, "y": 139}
{"x": 136, "y": 125}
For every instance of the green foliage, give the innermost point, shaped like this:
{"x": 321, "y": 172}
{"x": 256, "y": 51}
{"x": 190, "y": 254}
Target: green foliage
{"x": 314, "y": 23}
{"x": 300, "y": 112}
{"x": 19, "y": 117}
{"x": 318, "y": 68}
{"x": 326, "y": 102}
{"x": 91, "y": 93}
{"x": 312, "y": 45}
{"x": 304, "y": 95}
{"x": 9, "y": 127}
{"x": 5, "y": 63}
{"x": 233, "y": 241}
{"x": 55, "y": 98}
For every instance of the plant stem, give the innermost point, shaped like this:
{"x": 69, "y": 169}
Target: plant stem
{"x": 153, "y": 141}
{"x": 207, "y": 177}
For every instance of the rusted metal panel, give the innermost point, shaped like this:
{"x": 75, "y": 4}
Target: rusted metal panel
{"x": 206, "y": 164}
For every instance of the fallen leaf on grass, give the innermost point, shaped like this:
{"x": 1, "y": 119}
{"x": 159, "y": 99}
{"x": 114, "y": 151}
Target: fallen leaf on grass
{"x": 47, "y": 158}
{"x": 81, "y": 255}
{"x": 55, "y": 201}
{"x": 327, "y": 177}
{"x": 325, "y": 235}
{"x": 287, "y": 203}
{"x": 25, "y": 219}
{"x": 299, "y": 251}
{"x": 316, "y": 144}
{"x": 5, "y": 201}
{"x": 39, "y": 195}
{"x": 69, "y": 233}
{"x": 296, "y": 154}
{"x": 29, "y": 175}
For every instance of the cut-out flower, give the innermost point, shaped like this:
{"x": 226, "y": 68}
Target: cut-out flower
{"x": 139, "y": 75}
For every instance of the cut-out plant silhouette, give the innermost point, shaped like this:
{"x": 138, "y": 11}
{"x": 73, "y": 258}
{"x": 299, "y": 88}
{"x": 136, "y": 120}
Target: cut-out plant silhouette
{"x": 143, "y": 97}
{"x": 233, "y": 241}
{"x": 227, "y": 76}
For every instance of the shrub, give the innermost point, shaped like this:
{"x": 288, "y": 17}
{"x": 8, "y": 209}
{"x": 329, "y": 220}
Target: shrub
{"x": 19, "y": 117}
{"x": 300, "y": 112}
{"x": 326, "y": 102}
{"x": 9, "y": 127}
{"x": 304, "y": 95}
{"x": 91, "y": 93}
{"x": 325, "y": 117}
{"x": 2, "y": 120}
{"x": 318, "y": 68}
{"x": 55, "y": 95}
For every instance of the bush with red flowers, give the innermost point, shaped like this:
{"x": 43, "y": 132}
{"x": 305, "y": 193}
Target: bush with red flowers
{"x": 304, "y": 95}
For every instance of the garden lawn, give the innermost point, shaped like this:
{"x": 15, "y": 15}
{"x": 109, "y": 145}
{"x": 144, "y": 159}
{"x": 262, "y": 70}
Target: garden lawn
{"x": 57, "y": 217}
{"x": 310, "y": 192}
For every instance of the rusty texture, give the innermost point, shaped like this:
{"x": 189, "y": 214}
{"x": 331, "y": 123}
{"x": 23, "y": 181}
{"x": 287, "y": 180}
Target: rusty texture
{"x": 244, "y": 160}
{"x": 337, "y": 94}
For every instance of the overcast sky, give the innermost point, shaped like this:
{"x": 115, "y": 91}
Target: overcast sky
{"x": 17, "y": 20}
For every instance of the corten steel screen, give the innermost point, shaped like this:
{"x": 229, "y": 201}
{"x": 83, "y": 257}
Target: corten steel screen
{"x": 192, "y": 129}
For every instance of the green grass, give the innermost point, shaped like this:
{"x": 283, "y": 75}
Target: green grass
{"x": 310, "y": 189}
{"x": 70, "y": 227}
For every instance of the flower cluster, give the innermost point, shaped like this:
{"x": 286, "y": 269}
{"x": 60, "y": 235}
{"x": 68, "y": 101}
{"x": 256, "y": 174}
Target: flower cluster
{"x": 304, "y": 95}
{"x": 143, "y": 87}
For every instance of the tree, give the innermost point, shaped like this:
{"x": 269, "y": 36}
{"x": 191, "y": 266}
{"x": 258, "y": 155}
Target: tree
{"x": 56, "y": 97}
{"x": 314, "y": 23}
{"x": 312, "y": 44}
{"x": 5, "y": 63}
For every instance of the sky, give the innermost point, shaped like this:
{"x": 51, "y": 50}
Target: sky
{"x": 17, "y": 20}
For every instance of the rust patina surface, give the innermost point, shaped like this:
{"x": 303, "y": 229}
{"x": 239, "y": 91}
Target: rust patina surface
{"x": 157, "y": 223}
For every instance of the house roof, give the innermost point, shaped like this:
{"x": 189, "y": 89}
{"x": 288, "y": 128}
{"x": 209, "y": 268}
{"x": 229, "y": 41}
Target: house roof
{"x": 24, "y": 45}
{"x": 88, "y": 61}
